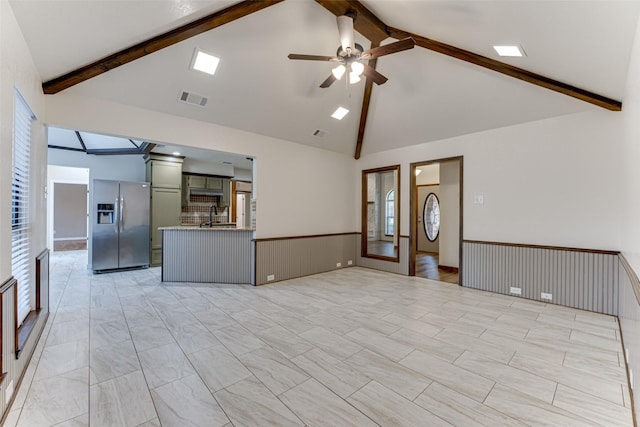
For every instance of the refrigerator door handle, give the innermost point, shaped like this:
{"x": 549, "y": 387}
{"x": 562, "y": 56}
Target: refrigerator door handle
{"x": 116, "y": 222}
{"x": 122, "y": 213}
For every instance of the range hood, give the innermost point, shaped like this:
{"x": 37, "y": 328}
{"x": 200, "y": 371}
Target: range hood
{"x": 205, "y": 192}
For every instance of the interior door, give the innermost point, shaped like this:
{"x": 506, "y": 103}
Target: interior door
{"x": 134, "y": 224}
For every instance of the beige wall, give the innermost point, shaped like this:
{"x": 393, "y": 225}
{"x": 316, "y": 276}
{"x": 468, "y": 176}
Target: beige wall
{"x": 69, "y": 211}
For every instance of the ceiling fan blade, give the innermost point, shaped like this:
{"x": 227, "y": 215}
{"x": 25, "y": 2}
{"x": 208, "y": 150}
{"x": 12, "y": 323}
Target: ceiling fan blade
{"x": 328, "y": 82}
{"x": 372, "y": 74}
{"x": 388, "y": 49}
{"x": 345, "y": 29}
{"x": 312, "y": 57}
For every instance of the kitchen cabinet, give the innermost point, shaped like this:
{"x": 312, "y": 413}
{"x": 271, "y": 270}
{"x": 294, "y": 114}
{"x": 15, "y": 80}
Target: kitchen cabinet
{"x": 220, "y": 187}
{"x": 196, "y": 181}
{"x": 226, "y": 192}
{"x": 164, "y": 172}
{"x": 165, "y": 212}
{"x": 215, "y": 183}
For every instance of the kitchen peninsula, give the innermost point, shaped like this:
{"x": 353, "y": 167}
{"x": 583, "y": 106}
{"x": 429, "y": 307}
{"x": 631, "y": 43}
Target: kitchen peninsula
{"x": 206, "y": 254}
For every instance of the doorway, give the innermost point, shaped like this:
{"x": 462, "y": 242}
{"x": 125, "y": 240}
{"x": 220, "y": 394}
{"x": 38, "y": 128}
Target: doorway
{"x": 67, "y": 208}
{"x": 436, "y": 225}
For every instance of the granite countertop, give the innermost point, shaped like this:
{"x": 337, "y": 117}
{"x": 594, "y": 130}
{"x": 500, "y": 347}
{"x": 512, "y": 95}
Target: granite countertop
{"x": 214, "y": 228}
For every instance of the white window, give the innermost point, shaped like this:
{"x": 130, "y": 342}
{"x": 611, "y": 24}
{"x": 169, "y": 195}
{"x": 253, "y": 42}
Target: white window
{"x": 20, "y": 222}
{"x": 390, "y": 213}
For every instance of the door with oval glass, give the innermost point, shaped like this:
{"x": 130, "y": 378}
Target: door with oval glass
{"x": 436, "y": 227}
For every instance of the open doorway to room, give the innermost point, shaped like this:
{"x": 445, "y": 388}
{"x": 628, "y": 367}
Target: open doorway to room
{"x": 67, "y": 208}
{"x": 436, "y": 219}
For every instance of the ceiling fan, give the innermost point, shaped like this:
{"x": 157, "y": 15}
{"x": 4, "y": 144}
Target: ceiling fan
{"x": 350, "y": 55}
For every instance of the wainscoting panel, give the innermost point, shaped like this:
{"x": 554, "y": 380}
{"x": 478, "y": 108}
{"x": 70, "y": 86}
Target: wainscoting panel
{"x": 206, "y": 256}
{"x": 401, "y": 267}
{"x": 629, "y": 317}
{"x": 577, "y": 278}
{"x": 14, "y": 368}
{"x": 290, "y": 257}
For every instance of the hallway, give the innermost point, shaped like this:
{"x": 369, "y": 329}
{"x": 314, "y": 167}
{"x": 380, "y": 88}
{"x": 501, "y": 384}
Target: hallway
{"x": 350, "y": 347}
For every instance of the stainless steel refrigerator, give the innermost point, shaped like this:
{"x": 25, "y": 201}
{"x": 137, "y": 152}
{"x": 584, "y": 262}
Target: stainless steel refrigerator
{"x": 119, "y": 225}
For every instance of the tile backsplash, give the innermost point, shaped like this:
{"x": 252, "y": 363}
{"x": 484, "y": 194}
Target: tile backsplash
{"x": 197, "y": 211}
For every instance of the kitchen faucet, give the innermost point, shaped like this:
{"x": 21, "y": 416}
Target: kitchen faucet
{"x": 213, "y": 208}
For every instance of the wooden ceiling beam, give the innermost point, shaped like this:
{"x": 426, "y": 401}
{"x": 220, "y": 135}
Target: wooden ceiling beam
{"x": 368, "y": 88}
{"x": 509, "y": 70}
{"x": 156, "y": 43}
{"x": 365, "y": 22}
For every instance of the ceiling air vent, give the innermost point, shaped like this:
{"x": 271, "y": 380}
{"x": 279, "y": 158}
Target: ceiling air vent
{"x": 319, "y": 133}
{"x": 192, "y": 98}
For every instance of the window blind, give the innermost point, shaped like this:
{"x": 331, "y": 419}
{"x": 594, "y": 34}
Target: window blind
{"x": 21, "y": 231}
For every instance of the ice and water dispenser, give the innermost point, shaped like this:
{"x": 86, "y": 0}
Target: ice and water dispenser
{"x": 106, "y": 213}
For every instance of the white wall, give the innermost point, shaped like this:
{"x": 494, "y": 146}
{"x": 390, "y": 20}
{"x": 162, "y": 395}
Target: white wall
{"x": 449, "y": 214}
{"x": 551, "y": 182}
{"x": 630, "y": 244}
{"x": 300, "y": 190}
{"x": 124, "y": 168}
{"x": 430, "y": 174}
{"x": 17, "y": 70}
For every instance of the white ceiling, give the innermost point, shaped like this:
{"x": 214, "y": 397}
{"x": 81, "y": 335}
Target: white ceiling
{"x": 428, "y": 97}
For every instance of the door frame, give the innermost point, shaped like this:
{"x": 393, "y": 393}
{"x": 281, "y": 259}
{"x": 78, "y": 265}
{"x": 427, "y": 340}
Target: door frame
{"x": 413, "y": 212}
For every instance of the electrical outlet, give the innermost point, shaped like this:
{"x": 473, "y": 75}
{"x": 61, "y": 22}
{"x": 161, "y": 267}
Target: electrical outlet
{"x": 515, "y": 291}
{"x": 271, "y": 277}
{"x": 339, "y": 264}
{"x": 9, "y": 392}
{"x": 350, "y": 262}
{"x": 478, "y": 199}
{"x": 546, "y": 296}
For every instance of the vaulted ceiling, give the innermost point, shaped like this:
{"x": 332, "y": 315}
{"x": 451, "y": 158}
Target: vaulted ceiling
{"x": 580, "y": 45}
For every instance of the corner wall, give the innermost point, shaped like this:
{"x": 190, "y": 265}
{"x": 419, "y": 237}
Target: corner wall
{"x": 630, "y": 218}
{"x": 17, "y": 70}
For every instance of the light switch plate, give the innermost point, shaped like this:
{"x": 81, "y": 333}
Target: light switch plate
{"x": 339, "y": 264}
{"x": 478, "y": 199}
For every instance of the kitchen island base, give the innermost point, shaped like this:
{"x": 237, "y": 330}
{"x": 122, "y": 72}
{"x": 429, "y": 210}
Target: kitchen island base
{"x": 206, "y": 255}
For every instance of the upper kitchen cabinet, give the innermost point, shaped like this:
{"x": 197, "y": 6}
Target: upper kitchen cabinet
{"x": 164, "y": 171}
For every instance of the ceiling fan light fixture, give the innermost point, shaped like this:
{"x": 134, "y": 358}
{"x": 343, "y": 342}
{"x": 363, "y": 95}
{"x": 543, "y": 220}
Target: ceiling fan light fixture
{"x": 353, "y": 78}
{"x": 357, "y": 68}
{"x": 511, "y": 50}
{"x": 204, "y": 62}
{"x": 338, "y": 72}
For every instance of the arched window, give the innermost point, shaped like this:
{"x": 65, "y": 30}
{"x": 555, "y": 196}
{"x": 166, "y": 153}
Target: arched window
{"x": 389, "y": 213}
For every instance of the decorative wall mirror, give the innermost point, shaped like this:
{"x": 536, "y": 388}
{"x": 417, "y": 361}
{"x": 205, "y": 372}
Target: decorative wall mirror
{"x": 381, "y": 213}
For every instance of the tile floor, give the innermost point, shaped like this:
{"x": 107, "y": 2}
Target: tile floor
{"x": 353, "y": 347}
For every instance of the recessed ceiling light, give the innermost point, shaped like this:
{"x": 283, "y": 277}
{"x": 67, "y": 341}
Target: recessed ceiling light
{"x": 340, "y": 113}
{"x": 205, "y": 62}
{"x": 175, "y": 153}
{"x": 509, "y": 50}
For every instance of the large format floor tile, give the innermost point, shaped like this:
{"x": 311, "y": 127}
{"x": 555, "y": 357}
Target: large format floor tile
{"x": 351, "y": 347}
